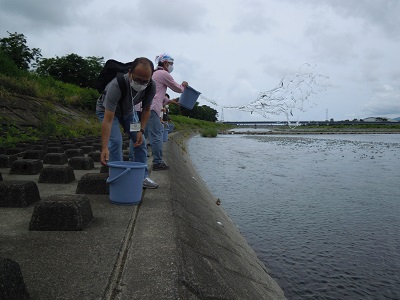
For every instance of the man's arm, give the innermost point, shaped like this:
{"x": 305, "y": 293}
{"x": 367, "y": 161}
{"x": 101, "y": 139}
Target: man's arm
{"x": 105, "y": 135}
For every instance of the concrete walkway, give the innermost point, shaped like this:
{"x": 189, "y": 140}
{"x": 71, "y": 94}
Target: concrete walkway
{"x": 176, "y": 244}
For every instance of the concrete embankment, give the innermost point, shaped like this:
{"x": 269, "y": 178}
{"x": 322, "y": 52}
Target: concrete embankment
{"x": 177, "y": 244}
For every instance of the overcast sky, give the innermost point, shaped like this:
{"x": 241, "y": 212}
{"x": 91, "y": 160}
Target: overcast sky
{"x": 233, "y": 50}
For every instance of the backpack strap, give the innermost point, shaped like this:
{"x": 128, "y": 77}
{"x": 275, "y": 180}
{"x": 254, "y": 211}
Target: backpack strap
{"x": 122, "y": 86}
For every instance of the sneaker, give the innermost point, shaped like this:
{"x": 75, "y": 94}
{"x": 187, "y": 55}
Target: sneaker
{"x": 160, "y": 166}
{"x": 150, "y": 184}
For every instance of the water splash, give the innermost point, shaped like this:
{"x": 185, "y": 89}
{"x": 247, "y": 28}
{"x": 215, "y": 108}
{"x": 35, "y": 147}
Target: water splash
{"x": 291, "y": 94}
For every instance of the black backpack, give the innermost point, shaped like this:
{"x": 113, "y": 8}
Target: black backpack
{"x": 112, "y": 69}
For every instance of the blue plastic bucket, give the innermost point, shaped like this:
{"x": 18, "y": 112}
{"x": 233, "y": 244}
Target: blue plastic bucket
{"x": 189, "y": 97}
{"x": 125, "y": 181}
{"x": 171, "y": 127}
{"x": 165, "y": 133}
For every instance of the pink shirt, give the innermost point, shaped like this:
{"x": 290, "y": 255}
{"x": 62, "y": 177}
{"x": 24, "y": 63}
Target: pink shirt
{"x": 163, "y": 81}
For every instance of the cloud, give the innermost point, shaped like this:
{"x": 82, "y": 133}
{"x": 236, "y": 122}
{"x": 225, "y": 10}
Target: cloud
{"x": 379, "y": 14}
{"x": 40, "y": 14}
{"x": 330, "y": 43}
{"x": 385, "y": 102}
{"x": 170, "y": 17}
{"x": 233, "y": 50}
{"x": 252, "y": 19}
{"x": 383, "y": 13}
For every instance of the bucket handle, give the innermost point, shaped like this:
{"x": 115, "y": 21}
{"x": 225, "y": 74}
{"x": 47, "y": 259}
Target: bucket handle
{"x": 118, "y": 176}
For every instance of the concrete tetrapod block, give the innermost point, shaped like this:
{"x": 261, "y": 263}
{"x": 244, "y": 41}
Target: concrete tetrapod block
{"x": 62, "y": 213}
{"x": 81, "y": 163}
{"x": 53, "y": 145}
{"x": 104, "y": 169}
{"x": 55, "y": 150}
{"x": 68, "y": 146}
{"x": 26, "y": 167}
{"x": 55, "y": 159}
{"x": 89, "y": 142}
{"x": 95, "y": 156}
{"x": 39, "y": 147}
{"x": 87, "y": 149}
{"x": 6, "y": 161}
{"x": 57, "y": 174}
{"x": 15, "y": 151}
{"x": 93, "y": 183}
{"x": 12, "y": 284}
{"x": 74, "y": 152}
{"x": 18, "y": 193}
{"x": 34, "y": 154}
{"x": 79, "y": 144}
{"x": 96, "y": 146}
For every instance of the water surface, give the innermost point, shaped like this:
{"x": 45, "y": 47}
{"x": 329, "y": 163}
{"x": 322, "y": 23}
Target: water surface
{"x": 321, "y": 211}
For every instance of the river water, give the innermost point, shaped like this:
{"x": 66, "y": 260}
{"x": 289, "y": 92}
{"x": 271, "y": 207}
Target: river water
{"x": 321, "y": 211}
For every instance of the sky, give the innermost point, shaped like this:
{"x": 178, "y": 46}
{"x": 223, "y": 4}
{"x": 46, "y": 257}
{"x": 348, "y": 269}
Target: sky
{"x": 312, "y": 59}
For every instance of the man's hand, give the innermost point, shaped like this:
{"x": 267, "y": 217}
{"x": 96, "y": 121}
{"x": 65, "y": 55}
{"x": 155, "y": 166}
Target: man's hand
{"x": 139, "y": 139}
{"x": 185, "y": 84}
{"x": 104, "y": 156}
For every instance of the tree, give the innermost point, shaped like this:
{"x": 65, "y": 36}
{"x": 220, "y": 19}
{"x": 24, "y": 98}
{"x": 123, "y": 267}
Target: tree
{"x": 8, "y": 66}
{"x": 72, "y": 68}
{"x": 15, "y": 47}
{"x": 203, "y": 112}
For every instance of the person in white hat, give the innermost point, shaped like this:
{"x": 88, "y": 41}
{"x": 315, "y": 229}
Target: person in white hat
{"x": 163, "y": 80}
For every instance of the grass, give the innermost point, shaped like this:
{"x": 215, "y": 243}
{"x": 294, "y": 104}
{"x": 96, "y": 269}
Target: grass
{"x": 48, "y": 88}
{"x": 57, "y": 125}
{"x": 185, "y": 124}
{"x": 51, "y": 125}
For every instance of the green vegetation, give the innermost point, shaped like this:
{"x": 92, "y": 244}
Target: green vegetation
{"x": 57, "y": 125}
{"x": 50, "y": 89}
{"x": 60, "y": 82}
{"x": 13, "y": 135}
{"x": 202, "y": 112}
{"x": 183, "y": 124}
{"x": 15, "y": 47}
{"x": 51, "y": 125}
{"x": 68, "y": 81}
{"x": 209, "y": 132}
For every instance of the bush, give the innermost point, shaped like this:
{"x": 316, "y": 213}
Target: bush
{"x": 209, "y": 132}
